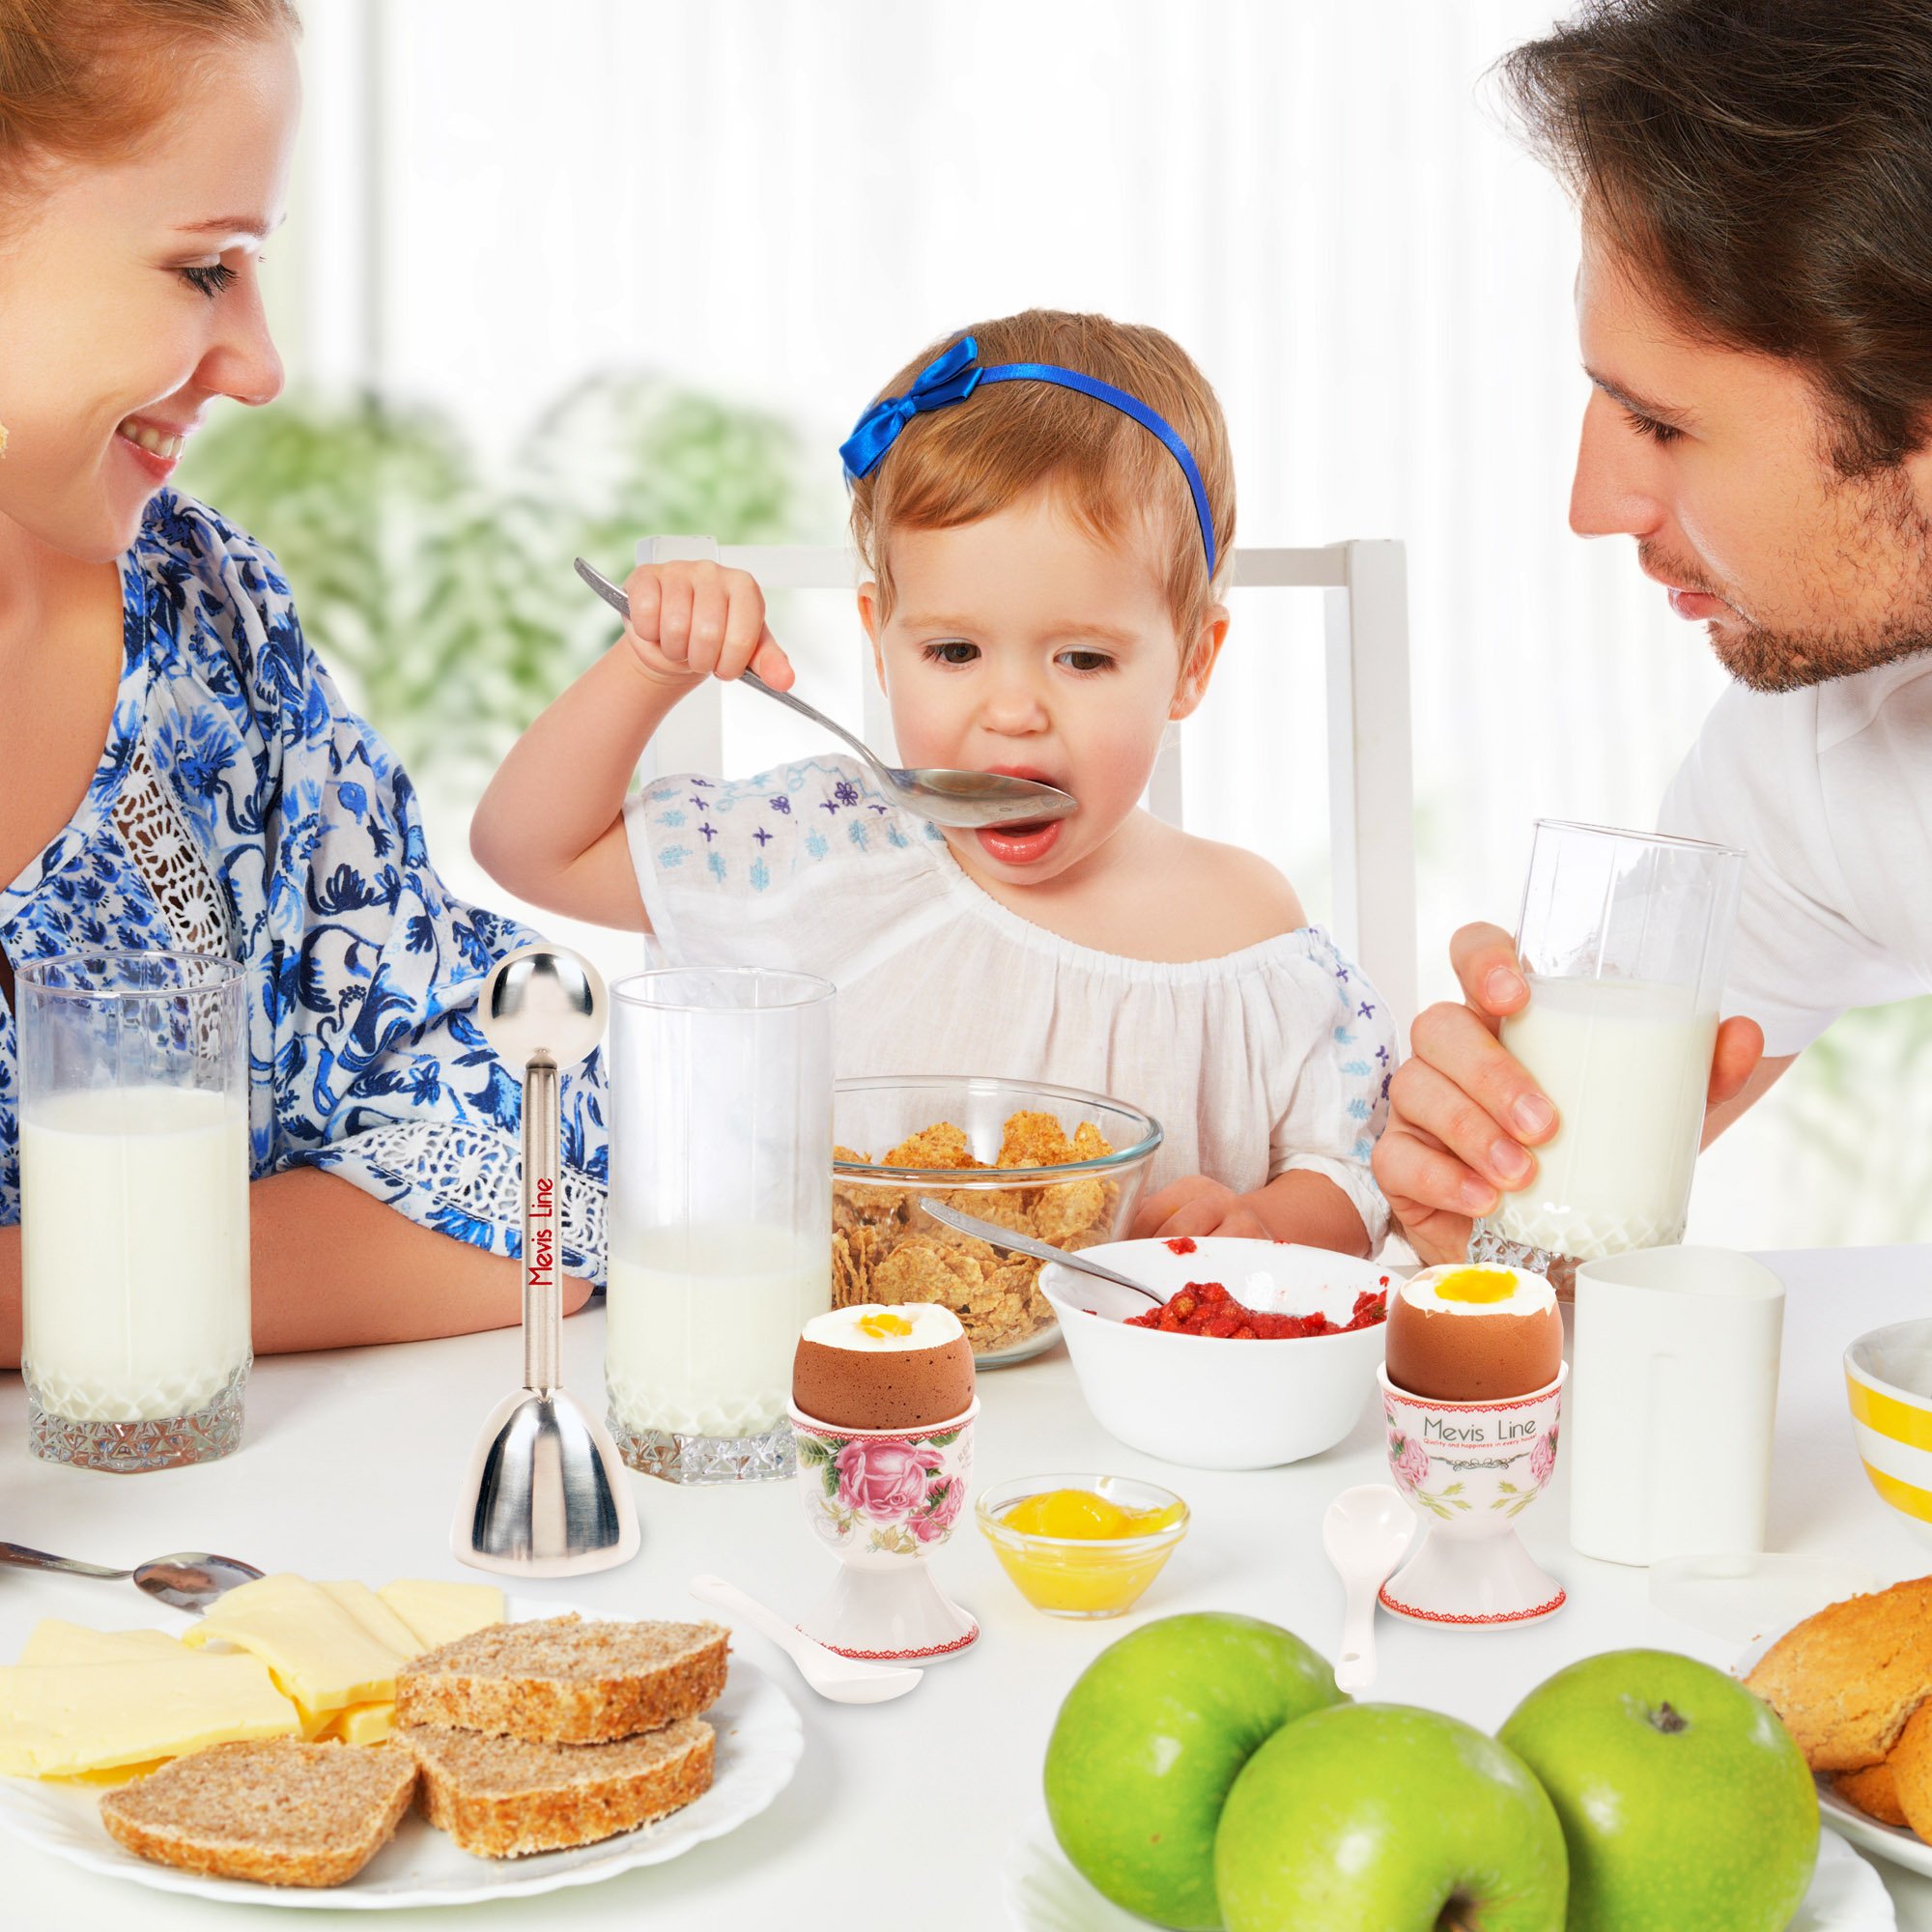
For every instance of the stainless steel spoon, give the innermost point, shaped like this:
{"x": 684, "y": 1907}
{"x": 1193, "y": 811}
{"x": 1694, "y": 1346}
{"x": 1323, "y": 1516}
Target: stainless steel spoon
{"x": 190, "y": 1579}
{"x": 1004, "y": 1238}
{"x": 933, "y": 792}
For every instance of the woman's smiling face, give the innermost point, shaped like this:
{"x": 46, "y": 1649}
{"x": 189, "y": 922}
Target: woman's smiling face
{"x": 129, "y": 300}
{"x": 1021, "y": 643}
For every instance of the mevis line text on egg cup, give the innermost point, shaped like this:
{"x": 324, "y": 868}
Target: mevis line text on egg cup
{"x": 883, "y": 1500}
{"x": 1470, "y": 1469}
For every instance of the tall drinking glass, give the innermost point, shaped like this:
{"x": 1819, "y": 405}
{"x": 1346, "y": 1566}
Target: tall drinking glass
{"x": 134, "y": 1207}
{"x": 1623, "y": 940}
{"x": 721, "y": 1215}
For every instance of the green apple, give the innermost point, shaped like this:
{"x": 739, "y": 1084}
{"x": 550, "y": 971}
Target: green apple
{"x": 1683, "y": 1798}
{"x": 1383, "y": 1816}
{"x": 1149, "y": 1739}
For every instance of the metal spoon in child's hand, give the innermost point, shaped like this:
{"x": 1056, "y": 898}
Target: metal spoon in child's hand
{"x": 945, "y": 797}
{"x": 190, "y": 1579}
{"x": 997, "y": 1237}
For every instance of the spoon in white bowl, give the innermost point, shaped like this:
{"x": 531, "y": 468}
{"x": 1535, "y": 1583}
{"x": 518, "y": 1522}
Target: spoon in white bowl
{"x": 997, "y": 1237}
{"x": 1365, "y": 1532}
{"x": 935, "y": 792}
{"x": 844, "y": 1680}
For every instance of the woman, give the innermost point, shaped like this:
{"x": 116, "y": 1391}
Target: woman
{"x": 180, "y": 770}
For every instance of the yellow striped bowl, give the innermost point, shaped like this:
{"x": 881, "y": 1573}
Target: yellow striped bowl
{"x": 1889, "y": 1384}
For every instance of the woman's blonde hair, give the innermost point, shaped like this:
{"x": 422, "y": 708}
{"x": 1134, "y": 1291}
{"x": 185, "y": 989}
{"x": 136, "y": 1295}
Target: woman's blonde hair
{"x": 89, "y": 79}
{"x": 970, "y": 460}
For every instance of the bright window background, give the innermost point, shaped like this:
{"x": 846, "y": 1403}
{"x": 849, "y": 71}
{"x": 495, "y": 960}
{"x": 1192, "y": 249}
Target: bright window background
{"x": 778, "y": 201}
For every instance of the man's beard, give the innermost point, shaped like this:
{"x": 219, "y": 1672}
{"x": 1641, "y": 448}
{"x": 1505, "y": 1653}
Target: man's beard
{"x": 1762, "y": 657}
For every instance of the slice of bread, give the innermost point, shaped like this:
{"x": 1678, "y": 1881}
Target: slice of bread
{"x": 1846, "y": 1680}
{"x": 566, "y": 1682}
{"x": 501, "y": 1797}
{"x": 276, "y": 1811}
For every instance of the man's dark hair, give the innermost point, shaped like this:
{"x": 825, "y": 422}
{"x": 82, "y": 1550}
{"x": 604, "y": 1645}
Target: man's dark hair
{"x": 1766, "y": 167}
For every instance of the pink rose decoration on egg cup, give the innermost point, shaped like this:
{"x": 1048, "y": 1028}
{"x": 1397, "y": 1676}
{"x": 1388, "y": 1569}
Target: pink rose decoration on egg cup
{"x": 884, "y": 1479}
{"x": 883, "y": 1500}
{"x": 934, "y": 1524}
{"x": 1543, "y": 1459}
{"x": 1409, "y": 1460}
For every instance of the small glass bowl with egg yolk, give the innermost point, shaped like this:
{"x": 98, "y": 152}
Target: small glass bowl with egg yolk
{"x": 1082, "y": 1545}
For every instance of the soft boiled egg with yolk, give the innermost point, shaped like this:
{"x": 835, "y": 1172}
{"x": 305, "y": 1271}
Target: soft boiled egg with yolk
{"x": 1475, "y": 1334}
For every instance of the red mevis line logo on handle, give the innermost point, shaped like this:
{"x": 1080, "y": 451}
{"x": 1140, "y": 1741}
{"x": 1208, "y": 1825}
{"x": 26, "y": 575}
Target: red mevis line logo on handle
{"x": 543, "y": 1229}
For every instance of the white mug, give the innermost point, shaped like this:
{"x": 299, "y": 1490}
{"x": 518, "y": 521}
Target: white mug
{"x": 1673, "y": 1390}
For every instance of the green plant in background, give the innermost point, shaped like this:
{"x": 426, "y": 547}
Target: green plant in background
{"x": 443, "y": 597}
{"x": 1858, "y": 1103}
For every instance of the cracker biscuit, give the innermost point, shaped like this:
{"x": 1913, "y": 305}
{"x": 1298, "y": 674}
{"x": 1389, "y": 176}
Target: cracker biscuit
{"x": 1846, "y": 1680}
{"x": 1874, "y": 1792}
{"x": 1910, "y": 1766}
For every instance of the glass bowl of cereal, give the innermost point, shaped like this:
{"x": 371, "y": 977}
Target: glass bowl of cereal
{"x": 1059, "y": 1165}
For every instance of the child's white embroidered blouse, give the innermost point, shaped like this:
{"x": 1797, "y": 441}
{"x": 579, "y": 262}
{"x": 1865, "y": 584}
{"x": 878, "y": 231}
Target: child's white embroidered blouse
{"x": 1272, "y": 1058}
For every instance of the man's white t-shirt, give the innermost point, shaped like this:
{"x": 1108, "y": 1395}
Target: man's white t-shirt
{"x": 1829, "y": 792}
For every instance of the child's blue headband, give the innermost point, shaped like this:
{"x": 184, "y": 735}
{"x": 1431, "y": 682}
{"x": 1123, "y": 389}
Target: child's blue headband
{"x": 954, "y": 376}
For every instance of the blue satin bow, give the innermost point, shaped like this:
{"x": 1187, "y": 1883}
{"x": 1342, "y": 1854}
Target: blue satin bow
{"x": 952, "y": 377}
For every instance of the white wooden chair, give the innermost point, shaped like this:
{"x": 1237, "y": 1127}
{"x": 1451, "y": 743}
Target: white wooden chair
{"x": 1371, "y": 786}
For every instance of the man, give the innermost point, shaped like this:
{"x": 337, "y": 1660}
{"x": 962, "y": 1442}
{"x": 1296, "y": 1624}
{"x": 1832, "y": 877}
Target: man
{"x": 1754, "y": 307}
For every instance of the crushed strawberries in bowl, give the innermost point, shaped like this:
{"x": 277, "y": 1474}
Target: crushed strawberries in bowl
{"x": 1207, "y": 1308}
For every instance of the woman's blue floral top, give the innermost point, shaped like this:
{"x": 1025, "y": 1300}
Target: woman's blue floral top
{"x": 242, "y": 809}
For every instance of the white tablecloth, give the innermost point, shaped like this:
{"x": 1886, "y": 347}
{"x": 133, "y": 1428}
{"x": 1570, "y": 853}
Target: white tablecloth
{"x": 351, "y": 1468}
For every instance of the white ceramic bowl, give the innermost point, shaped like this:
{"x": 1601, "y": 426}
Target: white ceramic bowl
{"x": 1208, "y": 1402}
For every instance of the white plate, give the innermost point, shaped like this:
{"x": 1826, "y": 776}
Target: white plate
{"x": 1044, "y": 1894}
{"x": 760, "y": 1740}
{"x": 1889, "y": 1841}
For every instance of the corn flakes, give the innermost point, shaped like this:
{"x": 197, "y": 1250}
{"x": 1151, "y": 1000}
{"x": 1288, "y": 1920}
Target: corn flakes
{"x": 884, "y": 1249}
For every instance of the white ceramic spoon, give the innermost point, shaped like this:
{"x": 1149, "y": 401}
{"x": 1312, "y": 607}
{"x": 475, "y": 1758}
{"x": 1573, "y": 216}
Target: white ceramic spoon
{"x": 846, "y": 1680}
{"x": 1365, "y": 1532}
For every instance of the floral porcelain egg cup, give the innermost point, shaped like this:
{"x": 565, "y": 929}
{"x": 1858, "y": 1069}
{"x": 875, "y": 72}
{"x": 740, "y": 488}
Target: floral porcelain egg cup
{"x": 883, "y": 1500}
{"x": 1470, "y": 1469}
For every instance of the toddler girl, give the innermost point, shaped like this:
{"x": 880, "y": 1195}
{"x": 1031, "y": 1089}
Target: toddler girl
{"x": 1043, "y": 513}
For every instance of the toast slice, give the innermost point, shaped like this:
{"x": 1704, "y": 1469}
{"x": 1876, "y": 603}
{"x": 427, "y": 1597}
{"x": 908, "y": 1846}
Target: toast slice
{"x": 566, "y": 1682}
{"x": 275, "y": 1811}
{"x": 500, "y": 1798}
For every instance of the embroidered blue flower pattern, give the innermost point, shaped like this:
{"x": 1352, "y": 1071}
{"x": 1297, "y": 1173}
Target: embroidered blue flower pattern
{"x": 364, "y": 1056}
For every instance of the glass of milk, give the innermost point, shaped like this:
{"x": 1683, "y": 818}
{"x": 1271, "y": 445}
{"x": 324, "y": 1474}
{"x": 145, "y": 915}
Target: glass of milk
{"x": 1623, "y": 940}
{"x": 721, "y": 1215}
{"x": 134, "y": 1168}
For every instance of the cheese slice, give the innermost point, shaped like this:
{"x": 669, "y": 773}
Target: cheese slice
{"x": 318, "y": 1653}
{"x": 375, "y": 1617}
{"x": 441, "y": 1612}
{"x": 56, "y": 1642}
{"x": 315, "y": 1725}
{"x": 362, "y": 1723}
{"x": 64, "y": 1720}
{"x": 114, "y": 1774}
